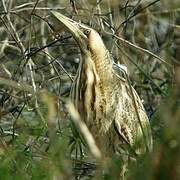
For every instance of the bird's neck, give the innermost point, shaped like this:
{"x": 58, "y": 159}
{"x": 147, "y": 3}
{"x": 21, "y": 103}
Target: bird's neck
{"x": 103, "y": 64}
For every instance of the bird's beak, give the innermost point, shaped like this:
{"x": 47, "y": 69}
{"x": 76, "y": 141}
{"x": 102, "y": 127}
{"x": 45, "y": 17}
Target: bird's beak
{"x": 76, "y": 29}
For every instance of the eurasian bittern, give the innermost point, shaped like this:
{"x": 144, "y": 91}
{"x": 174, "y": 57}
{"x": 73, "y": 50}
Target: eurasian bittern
{"x": 109, "y": 106}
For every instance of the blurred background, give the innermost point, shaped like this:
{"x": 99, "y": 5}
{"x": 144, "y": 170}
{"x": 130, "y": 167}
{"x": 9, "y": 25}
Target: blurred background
{"x": 38, "y": 62}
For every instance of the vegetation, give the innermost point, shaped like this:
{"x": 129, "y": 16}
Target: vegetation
{"x": 38, "y": 62}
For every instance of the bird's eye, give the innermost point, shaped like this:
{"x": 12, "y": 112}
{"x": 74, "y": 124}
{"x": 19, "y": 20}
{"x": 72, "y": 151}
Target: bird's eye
{"x": 86, "y": 32}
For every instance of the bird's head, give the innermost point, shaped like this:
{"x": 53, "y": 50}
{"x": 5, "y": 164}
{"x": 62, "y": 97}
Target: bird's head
{"x": 87, "y": 38}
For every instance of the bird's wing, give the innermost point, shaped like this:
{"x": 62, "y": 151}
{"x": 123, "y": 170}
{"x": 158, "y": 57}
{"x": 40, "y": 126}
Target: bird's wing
{"x": 134, "y": 127}
{"x": 144, "y": 135}
{"x": 125, "y": 145}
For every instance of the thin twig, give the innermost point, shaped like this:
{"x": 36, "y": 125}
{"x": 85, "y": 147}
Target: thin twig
{"x": 142, "y": 71}
{"x": 136, "y": 13}
{"x": 21, "y": 46}
{"x": 84, "y": 130}
{"x": 139, "y": 48}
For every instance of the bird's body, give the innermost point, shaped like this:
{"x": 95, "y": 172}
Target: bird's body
{"x": 108, "y": 105}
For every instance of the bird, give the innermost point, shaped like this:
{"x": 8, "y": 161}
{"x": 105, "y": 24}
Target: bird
{"x": 104, "y": 98}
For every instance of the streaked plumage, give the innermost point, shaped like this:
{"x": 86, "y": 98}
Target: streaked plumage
{"x": 110, "y": 107}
